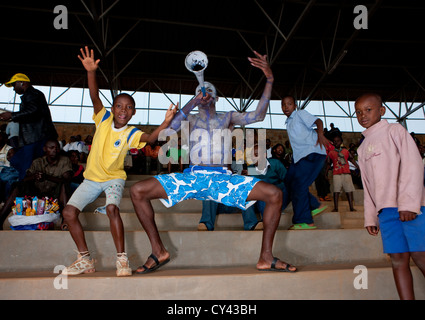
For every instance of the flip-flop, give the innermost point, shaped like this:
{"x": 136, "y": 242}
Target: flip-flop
{"x": 273, "y": 267}
{"x": 318, "y": 211}
{"x": 302, "y": 226}
{"x": 153, "y": 268}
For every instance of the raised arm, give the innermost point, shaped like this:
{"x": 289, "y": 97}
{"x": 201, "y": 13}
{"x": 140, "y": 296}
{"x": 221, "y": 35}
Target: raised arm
{"x": 91, "y": 65}
{"x": 171, "y": 112}
{"x": 184, "y": 112}
{"x": 243, "y": 118}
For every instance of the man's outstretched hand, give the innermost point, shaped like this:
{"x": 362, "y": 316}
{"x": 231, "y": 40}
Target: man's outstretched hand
{"x": 262, "y": 63}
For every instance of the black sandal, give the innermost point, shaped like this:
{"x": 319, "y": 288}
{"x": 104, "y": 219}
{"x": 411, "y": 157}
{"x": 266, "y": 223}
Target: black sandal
{"x": 273, "y": 267}
{"x": 153, "y": 268}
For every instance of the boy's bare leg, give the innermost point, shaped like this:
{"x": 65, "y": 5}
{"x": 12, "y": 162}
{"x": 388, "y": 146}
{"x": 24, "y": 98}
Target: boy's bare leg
{"x": 70, "y": 215}
{"x": 63, "y": 200}
{"x": 116, "y": 226}
{"x": 419, "y": 259}
{"x": 141, "y": 195}
{"x": 336, "y": 197}
{"x": 272, "y": 196}
{"x": 403, "y": 275}
{"x": 350, "y": 200}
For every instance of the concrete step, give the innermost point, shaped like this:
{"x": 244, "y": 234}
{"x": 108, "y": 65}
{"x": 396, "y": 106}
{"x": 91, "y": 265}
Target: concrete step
{"x": 336, "y": 282}
{"x": 190, "y": 220}
{"x": 43, "y": 250}
{"x": 186, "y": 216}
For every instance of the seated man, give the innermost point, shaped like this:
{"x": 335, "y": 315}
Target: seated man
{"x": 48, "y": 176}
{"x": 210, "y": 209}
{"x": 275, "y": 175}
{"x": 210, "y": 180}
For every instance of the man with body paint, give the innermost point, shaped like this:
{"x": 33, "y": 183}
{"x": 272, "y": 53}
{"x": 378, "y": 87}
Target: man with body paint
{"x": 209, "y": 179}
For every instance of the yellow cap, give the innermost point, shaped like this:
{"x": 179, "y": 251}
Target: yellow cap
{"x": 17, "y": 77}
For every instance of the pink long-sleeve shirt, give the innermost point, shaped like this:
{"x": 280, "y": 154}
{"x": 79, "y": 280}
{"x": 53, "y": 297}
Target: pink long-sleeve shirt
{"x": 392, "y": 171}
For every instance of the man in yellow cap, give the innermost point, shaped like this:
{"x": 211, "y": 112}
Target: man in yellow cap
{"x": 35, "y": 123}
{"x": 21, "y": 79}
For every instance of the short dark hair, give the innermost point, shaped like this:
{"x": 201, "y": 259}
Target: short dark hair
{"x": 290, "y": 96}
{"x": 125, "y": 95}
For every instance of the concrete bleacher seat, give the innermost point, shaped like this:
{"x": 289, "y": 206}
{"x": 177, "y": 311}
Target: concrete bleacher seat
{"x": 204, "y": 265}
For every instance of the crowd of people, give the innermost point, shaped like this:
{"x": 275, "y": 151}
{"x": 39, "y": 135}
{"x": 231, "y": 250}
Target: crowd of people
{"x": 33, "y": 161}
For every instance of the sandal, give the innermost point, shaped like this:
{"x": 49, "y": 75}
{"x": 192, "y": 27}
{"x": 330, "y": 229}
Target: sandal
{"x": 155, "y": 266}
{"x": 302, "y": 226}
{"x": 318, "y": 211}
{"x": 273, "y": 267}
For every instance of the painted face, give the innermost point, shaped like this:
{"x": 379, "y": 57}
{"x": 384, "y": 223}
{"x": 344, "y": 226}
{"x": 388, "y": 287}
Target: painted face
{"x": 369, "y": 110}
{"x": 209, "y": 88}
{"x": 123, "y": 109}
{"x": 288, "y": 106}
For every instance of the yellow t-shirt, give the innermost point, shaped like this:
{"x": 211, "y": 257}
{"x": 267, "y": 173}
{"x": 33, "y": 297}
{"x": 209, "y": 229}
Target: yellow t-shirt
{"x": 109, "y": 148}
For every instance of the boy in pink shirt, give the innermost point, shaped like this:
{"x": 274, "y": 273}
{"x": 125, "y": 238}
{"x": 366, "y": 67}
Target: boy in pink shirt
{"x": 394, "y": 194}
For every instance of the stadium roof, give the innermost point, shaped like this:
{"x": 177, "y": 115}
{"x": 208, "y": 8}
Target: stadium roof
{"x": 313, "y": 46}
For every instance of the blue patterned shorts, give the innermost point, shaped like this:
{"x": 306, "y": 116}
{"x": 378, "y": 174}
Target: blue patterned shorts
{"x": 207, "y": 183}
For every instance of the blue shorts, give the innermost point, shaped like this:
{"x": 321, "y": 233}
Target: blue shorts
{"x": 398, "y": 236}
{"x": 207, "y": 183}
{"x": 89, "y": 190}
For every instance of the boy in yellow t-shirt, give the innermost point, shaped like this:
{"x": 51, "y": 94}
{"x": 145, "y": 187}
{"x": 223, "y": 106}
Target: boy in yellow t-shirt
{"x": 105, "y": 168}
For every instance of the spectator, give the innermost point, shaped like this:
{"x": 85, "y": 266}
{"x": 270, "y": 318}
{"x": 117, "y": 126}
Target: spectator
{"x": 8, "y": 174}
{"x": 210, "y": 180}
{"x": 333, "y": 132}
{"x": 77, "y": 169}
{"x": 269, "y": 148}
{"x": 86, "y": 146}
{"x": 151, "y": 154}
{"x": 394, "y": 193}
{"x": 309, "y": 153}
{"x": 355, "y": 171}
{"x": 105, "y": 169}
{"x": 73, "y": 144}
{"x": 339, "y": 157}
{"x": 210, "y": 209}
{"x": 12, "y": 130}
{"x": 62, "y": 143}
{"x": 278, "y": 152}
{"x": 4, "y": 148}
{"x": 274, "y": 174}
{"x": 179, "y": 155}
{"x": 47, "y": 176}
{"x": 35, "y": 123}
